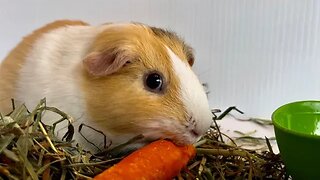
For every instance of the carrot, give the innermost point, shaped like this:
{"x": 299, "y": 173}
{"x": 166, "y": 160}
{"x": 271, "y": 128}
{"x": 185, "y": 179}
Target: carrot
{"x": 159, "y": 160}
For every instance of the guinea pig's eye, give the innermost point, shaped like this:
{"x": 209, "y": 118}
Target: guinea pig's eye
{"x": 154, "y": 82}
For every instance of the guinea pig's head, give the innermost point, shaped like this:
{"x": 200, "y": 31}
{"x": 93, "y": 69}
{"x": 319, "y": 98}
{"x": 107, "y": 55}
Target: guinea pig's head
{"x": 138, "y": 80}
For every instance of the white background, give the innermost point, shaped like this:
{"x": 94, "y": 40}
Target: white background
{"x": 256, "y": 55}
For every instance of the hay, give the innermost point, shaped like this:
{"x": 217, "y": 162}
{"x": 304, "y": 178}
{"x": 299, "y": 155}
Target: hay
{"x": 29, "y": 150}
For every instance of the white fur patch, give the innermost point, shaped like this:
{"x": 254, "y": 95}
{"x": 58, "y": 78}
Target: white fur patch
{"x": 51, "y": 71}
{"x": 192, "y": 94}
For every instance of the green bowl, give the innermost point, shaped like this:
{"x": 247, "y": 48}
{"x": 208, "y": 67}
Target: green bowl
{"x": 297, "y": 129}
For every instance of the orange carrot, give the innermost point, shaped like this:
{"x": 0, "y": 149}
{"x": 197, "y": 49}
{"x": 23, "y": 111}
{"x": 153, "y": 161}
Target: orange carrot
{"x": 160, "y": 160}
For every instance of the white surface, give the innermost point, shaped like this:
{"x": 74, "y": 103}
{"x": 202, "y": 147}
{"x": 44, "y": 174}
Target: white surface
{"x": 257, "y": 55}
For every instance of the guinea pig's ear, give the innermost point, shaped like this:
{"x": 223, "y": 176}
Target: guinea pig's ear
{"x": 102, "y": 64}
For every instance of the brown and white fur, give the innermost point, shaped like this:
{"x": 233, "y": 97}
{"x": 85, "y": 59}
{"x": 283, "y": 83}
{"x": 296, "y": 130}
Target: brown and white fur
{"x": 96, "y": 74}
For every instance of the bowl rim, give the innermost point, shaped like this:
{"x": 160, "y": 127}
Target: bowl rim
{"x": 277, "y": 125}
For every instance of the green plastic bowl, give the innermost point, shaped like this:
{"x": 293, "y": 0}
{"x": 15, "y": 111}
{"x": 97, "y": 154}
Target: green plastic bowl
{"x": 297, "y": 129}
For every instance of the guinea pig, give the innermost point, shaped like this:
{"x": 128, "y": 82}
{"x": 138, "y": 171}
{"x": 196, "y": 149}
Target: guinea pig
{"x": 120, "y": 79}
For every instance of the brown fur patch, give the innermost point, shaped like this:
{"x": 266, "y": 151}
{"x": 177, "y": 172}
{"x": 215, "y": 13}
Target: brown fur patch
{"x": 11, "y": 65}
{"x": 119, "y": 102}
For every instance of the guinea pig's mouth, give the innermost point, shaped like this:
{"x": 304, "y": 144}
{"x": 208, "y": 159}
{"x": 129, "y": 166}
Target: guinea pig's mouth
{"x": 177, "y": 132}
{"x": 194, "y": 133}
{"x": 178, "y": 137}
{"x": 184, "y": 139}
{"x": 175, "y": 139}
